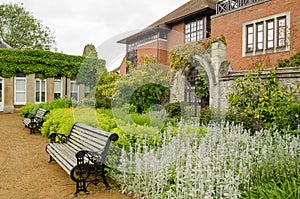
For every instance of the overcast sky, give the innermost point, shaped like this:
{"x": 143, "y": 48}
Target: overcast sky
{"x": 76, "y": 23}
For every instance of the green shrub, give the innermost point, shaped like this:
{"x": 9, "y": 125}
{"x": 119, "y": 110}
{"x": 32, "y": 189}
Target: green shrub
{"x": 105, "y": 89}
{"x": 58, "y": 120}
{"x": 106, "y": 120}
{"x": 148, "y": 95}
{"x": 174, "y": 110}
{"x": 61, "y": 120}
{"x": 293, "y": 61}
{"x": 143, "y": 88}
{"x": 30, "y": 109}
{"x": 288, "y": 118}
{"x": 256, "y": 99}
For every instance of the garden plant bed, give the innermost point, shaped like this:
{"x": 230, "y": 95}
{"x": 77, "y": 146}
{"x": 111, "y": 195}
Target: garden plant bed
{"x": 26, "y": 173}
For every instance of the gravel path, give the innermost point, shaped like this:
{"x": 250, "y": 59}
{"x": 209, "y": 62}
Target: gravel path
{"x": 25, "y": 171}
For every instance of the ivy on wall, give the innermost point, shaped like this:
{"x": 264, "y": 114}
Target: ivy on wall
{"x": 182, "y": 56}
{"x": 47, "y": 63}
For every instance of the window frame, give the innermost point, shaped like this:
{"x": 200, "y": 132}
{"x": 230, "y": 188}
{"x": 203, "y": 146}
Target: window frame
{"x": 266, "y": 36}
{"x": 16, "y": 91}
{"x": 195, "y": 30}
{"x": 259, "y": 36}
{"x": 40, "y": 91}
{"x": 251, "y": 34}
{"x": 61, "y": 86}
{"x": 73, "y": 91}
{"x": 284, "y": 32}
{"x": 268, "y": 29}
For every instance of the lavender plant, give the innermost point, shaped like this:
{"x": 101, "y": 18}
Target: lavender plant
{"x": 227, "y": 163}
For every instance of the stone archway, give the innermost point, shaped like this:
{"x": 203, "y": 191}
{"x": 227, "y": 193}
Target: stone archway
{"x": 213, "y": 63}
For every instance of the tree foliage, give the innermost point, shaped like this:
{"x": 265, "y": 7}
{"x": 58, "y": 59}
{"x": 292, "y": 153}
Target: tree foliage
{"x": 90, "y": 51}
{"x": 105, "y": 89}
{"x": 143, "y": 88}
{"x": 20, "y": 30}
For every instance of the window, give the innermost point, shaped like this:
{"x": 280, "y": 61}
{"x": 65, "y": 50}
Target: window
{"x": 281, "y": 32}
{"x": 74, "y": 91}
{"x": 194, "y": 30}
{"x": 270, "y": 34}
{"x": 20, "y": 90}
{"x": 266, "y": 35}
{"x": 86, "y": 90}
{"x": 259, "y": 36}
{"x": 250, "y": 38}
{"x": 40, "y": 91}
{"x": 57, "y": 88}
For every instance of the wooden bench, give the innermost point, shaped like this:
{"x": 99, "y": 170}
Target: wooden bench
{"x": 36, "y": 121}
{"x": 82, "y": 154}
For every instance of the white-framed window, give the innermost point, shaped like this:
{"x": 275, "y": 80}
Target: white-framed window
{"x": 74, "y": 92}
{"x": 266, "y": 35}
{"x": 20, "y": 90}
{"x": 57, "y": 88}
{"x": 40, "y": 90}
{"x": 86, "y": 90}
{"x": 194, "y": 30}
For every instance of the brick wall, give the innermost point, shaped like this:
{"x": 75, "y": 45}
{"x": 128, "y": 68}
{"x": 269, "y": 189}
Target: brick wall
{"x": 231, "y": 24}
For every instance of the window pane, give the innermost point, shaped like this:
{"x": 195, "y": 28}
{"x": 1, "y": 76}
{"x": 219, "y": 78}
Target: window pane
{"x": 194, "y": 30}
{"x": 250, "y": 38}
{"x": 57, "y": 86}
{"x": 20, "y": 97}
{"x": 37, "y": 85}
{"x": 281, "y": 32}
{"x": 44, "y": 86}
{"x": 259, "y": 36}
{"x": 20, "y": 84}
{"x": 43, "y": 97}
{"x": 37, "y": 97}
{"x": 270, "y": 44}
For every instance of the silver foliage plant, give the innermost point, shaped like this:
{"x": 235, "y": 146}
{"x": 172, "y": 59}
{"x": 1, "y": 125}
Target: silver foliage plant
{"x": 214, "y": 166}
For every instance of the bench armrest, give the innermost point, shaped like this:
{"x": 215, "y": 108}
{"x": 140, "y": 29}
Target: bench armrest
{"x": 57, "y": 137}
{"x": 93, "y": 156}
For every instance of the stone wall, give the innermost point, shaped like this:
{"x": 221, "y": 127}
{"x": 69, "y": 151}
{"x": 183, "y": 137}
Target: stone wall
{"x": 221, "y": 77}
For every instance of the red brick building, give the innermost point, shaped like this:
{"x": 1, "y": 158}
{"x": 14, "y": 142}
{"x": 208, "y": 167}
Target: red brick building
{"x": 258, "y": 30}
{"x": 189, "y": 23}
{"x": 255, "y": 31}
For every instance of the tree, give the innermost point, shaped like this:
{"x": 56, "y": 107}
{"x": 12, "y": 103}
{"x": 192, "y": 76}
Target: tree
{"x": 90, "y": 51}
{"x": 20, "y": 30}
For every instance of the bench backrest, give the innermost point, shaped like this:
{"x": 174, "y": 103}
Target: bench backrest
{"x": 83, "y": 137}
{"x": 40, "y": 113}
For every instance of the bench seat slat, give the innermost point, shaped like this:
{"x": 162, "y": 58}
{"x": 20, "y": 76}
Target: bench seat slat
{"x": 92, "y": 137}
{"x": 93, "y": 146}
{"x": 56, "y": 154}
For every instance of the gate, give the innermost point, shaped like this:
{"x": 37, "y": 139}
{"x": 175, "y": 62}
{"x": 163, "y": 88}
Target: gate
{"x": 189, "y": 93}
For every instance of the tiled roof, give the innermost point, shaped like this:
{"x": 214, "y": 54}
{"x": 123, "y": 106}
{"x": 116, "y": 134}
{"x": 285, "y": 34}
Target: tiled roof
{"x": 186, "y": 9}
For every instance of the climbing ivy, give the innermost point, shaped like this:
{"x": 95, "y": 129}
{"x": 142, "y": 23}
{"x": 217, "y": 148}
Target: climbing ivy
{"x": 182, "y": 56}
{"x": 47, "y": 63}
